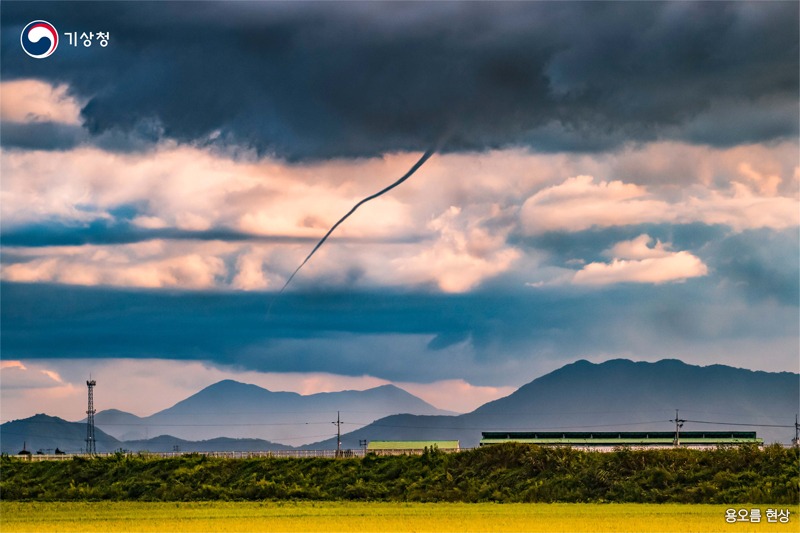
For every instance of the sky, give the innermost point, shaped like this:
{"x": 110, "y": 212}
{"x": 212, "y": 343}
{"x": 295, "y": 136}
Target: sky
{"x": 611, "y": 180}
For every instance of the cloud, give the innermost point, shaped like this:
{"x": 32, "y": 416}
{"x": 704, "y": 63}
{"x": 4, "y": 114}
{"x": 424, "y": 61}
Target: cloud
{"x": 669, "y": 167}
{"x": 316, "y": 81}
{"x": 35, "y": 101}
{"x": 755, "y": 264}
{"x": 580, "y": 203}
{"x": 635, "y": 262}
{"x": 179, "y": 189}
{"x": 29, "y": 375}
{"x": 250, "y": 272}
{"x": 85, "y": 209}
{"x": 190, "y": 190}
{"x": 743, "y": 209}
{"x": 468, "y": 220}
{"x": 465, "y": 253}
{"x": 456, "y": 260}
{"x": 490, "y": 338}
{"x": 41, "y": 136}
{"x": 456, "y": 395}
{"x": 148, "y": 265}
{"x": 761, "y": 264}
{"x": 107, "y": 230}
{"x": 38, "y": 116}
{"x": 460, "y": 251}
{"x": 638, "y": 249}
{"x": 241, "y": 222}
{"x": 728, "y": 123}
{"x": 766, "y": 183}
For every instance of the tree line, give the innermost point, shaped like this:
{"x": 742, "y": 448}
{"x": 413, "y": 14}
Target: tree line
{"x": 499, "y": 473}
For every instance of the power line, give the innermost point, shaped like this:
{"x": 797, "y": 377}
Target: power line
{"x": 738, "y": 424}
{"x": 102, "y": 424}
{"x": 503, "y": 428}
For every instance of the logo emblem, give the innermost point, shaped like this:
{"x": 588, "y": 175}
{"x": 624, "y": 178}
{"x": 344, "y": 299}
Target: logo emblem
{"x": 39, "y": 39}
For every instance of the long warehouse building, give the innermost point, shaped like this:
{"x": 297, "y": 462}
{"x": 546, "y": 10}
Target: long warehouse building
{"x": 612, "y": 439}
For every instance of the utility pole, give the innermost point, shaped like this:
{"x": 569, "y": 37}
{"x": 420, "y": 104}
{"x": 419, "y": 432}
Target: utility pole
{"x": 91, "y": 449}
{"x": 338, "y": 435}
{"x": 796, "y": 440}
{"x": 678, "y": 425}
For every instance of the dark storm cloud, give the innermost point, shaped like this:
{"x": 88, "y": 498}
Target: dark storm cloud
{"x": 104, "y": 232}
{"x": 758, "y": 264}
{"x": 311, "y": 331}
{"x": 55, "y": 136}
{"x": 761, "y": 263}
{"x": 317, "y": 80}
{"x": 589, "y": 245}
{"x": 41, "y": 135}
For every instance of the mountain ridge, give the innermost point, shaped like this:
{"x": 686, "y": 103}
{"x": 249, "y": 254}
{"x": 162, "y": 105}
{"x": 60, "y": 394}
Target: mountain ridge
{"x": 45, "y": 432}
{"x": 233, "y": 409}
{"x": 615, "y": 394}
{"x": 48, "y": 433}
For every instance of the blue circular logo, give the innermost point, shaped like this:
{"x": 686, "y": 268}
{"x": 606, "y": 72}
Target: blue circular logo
{"x": 39, "y": 39}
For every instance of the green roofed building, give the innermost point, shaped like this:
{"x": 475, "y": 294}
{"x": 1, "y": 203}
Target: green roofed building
{"x": 400, "y": 447}
{"x": 612, "y": 439}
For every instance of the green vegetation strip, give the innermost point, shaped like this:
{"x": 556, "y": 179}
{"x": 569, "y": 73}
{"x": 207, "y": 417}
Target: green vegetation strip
{"x": 361, "y": 517}
{"x": 507, "y": 473}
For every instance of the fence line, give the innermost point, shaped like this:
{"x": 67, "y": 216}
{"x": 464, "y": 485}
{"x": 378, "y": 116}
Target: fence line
{"x": 297, "y": 454}
{"x": 227, "y": 455}
{"x": 290, "y": 454}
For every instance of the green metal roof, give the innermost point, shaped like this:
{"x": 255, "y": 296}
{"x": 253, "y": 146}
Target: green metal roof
{"x": 412, "y": 444}
{"x": 621, "y": 438}
{"x": 628, "y": 442}
{"x": 617, "y": 434}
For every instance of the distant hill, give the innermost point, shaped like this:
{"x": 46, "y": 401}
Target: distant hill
{"x": 42, "y": 432}
{"x": 238, "y": 410}
{"x": 116, "y": 421}
{"x": 615, "y": 395}
{"x": 166, "y": 443}
{"x": 46, "y": 433}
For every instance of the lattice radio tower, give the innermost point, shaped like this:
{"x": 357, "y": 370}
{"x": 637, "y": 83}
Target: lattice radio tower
{"x": 90, "y": 411}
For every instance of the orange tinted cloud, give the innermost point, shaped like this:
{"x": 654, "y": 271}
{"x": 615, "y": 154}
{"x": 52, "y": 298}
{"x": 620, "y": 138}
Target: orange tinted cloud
{"x": 36, "y": 101}
{"x": 582, "y": 202}
{"x": 636, "y": 262}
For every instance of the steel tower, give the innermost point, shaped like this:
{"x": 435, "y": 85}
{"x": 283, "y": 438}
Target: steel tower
{"x": 91, "y": 449}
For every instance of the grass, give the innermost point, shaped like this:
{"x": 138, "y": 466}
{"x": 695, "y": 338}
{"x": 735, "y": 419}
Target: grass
{"x": 328, "y": 517}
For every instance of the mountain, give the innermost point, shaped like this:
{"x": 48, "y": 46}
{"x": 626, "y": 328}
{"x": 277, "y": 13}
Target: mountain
{"x": 238, "y": 410}
{"x": 166, "y": 443}
{"x": 46, "y": 433}
{"x": 116, "y": 422}
{"x": 42, "y": 432}
{"x": 615, "y": 395}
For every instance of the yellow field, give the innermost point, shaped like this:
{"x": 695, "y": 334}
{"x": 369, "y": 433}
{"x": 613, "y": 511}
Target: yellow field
{"x": 107, "y": 517}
